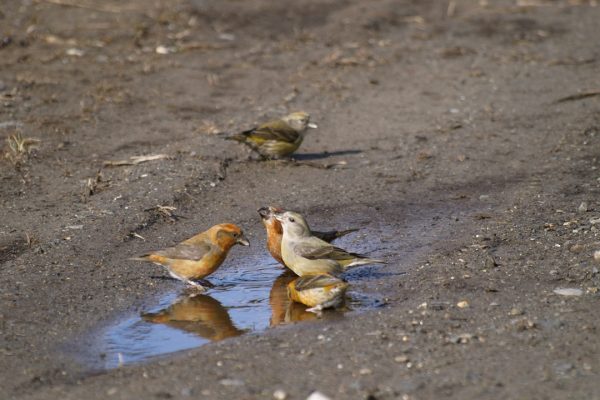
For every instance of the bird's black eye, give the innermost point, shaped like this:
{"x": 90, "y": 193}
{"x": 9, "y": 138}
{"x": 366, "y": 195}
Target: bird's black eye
{"x": 236, "y": 234}
{"x": 292, "y": 219}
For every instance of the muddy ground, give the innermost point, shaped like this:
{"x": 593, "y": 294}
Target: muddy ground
{"x": 470, "y": 133}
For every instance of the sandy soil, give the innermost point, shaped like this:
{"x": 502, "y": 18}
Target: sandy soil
{"x": 470, "y": 132}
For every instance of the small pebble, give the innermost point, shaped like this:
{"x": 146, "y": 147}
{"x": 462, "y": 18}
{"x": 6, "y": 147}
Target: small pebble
{"x": 231, "y": 382}
{"x": 462, "y": 304}
{"x": 164, "y": 50}
{"x": 568, "y": 291}
{"x": 597, "y": 256}
{"x": 365, "y": 371}
{"x": 75, "y": 52}
{"x": 516, "y": 311}
{"x": 317, "y": 396}
{"x": 279, "y": 394}
{"x": 583, "y": 207}
{"x": 576, "y": 248}
{"x": 401, "y": 359}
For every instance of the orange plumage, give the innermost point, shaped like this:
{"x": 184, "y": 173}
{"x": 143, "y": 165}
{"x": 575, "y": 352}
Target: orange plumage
{"x": 200, "y": 255}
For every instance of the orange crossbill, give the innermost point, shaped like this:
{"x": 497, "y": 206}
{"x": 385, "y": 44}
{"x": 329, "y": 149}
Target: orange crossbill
{"x": 275, "y": 232}
{"x": 277, "y": 138}
{"x": 306, "y": 254}
{"x": 198, "y": 256}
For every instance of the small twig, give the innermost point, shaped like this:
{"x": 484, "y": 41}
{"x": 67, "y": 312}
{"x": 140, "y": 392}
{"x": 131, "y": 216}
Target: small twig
{"x": 134, "y": 160}
{"x": 133, "y": 234}
{"x": 313, "y": 164}
{"x": 102, "y": 8}
{"x": 578, "y": 96}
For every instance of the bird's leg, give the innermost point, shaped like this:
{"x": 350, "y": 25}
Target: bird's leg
{"x": 195, "y": 285}
{"x": 316, "y": 309}
{"x": 204, "y": 282}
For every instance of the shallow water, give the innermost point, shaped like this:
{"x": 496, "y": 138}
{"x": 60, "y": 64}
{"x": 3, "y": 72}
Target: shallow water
{"x": 243, "y": 300}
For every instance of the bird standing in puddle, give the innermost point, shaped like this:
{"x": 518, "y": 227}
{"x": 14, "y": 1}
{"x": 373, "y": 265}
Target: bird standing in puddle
{"x": 278, "y": 138}
{"x": 199, "y": 256}
{"x": 275, "y": 232}
{"x": 306, "y": 254}
{"x": 318, "y": 291}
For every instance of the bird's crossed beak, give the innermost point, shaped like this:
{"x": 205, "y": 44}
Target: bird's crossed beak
{"x": 242, "y": 240}
{"x": 268, "y": 212}
{"x": 278, "y": 216}
{"x": 312, "y": 125}
{"x": 264, "y": 212}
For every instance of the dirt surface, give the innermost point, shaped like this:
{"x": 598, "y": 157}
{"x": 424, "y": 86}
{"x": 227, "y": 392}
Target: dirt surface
{"x": 464, "y": 170}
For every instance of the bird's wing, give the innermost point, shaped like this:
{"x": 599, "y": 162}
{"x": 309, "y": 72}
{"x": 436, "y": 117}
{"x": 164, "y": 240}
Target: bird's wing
{"x": 316, "y": 281}
{"x": 185, "y": 251}
{"x": 314, "y": 249}
{"x": 274, "y": 130}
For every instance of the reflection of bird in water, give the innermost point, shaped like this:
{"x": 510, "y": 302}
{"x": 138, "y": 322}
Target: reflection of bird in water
{"x": 199, "y": 314}
{"x": 278, "y": 298}
{"x": 283, "y": 310}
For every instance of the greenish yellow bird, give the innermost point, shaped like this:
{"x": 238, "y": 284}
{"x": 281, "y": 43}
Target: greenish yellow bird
{"x": 318, "y": 291}
{"x": 306, "y": 254}
{"x": 278, "y": 138}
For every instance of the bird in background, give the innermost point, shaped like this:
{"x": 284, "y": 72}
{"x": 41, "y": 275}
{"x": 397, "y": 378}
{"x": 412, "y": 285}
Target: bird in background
{"x": 275, "y": 232}
{"x": 278, "y": 138}
{"x": 198, "y": 256}
{"x": 306, "y": 254}
{"x": 318, "y": 291}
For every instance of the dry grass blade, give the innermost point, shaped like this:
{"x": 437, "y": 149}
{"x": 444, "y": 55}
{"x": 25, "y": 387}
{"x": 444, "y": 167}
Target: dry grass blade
{"x": 165, "y": 212}
{"x": 20, "y": 147}
{"x": 95, "y": 7}
{"x": 136, "y": 160}
{"x": 579, "y": 96}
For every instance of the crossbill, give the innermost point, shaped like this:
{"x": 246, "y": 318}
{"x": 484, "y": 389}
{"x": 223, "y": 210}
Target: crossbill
{"x": 199, "y": 314}
{"x": 277, "y": 138}
{"x": 306, "y": 254}
{"x": 275, "y": 232}
{"x": 284, "y": 310}
{"x": 198, "y": 256}
{"x": 318, "y": 291}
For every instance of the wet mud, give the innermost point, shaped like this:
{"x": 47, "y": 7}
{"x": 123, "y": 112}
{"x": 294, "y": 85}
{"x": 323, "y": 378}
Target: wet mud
{"x": 460, "y": 137}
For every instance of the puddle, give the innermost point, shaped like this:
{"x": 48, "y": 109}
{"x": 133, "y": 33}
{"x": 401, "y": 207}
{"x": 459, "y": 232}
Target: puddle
{"x": 247, "y": 298}
{"x": 242, "y": 301}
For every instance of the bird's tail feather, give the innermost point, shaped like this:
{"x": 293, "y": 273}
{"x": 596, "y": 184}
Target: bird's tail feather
{"x": 364, "y": 261}
{"x": 339, "y": 234}
{"x": 238, "y": 137}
